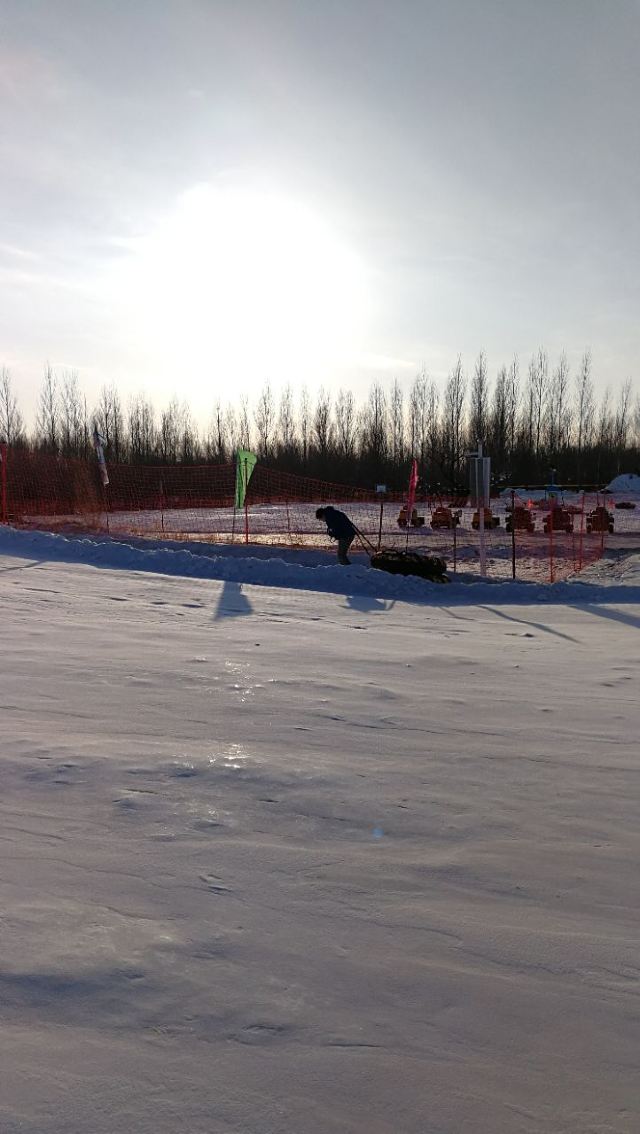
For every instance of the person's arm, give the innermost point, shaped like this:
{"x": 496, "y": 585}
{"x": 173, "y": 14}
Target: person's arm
{"x": 330, "y": 519}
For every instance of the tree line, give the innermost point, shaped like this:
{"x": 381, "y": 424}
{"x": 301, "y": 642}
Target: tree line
{"x": 531, "y": 420}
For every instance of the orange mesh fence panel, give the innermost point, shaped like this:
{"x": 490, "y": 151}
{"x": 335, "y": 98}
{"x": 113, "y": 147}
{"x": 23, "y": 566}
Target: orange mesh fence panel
{"x": 171, "y": 501}
{"x": 557, "y": 537}
{"x": 50, "y": 492}
{"x": 271, "y": 486}
{"x": 547, "y": 539}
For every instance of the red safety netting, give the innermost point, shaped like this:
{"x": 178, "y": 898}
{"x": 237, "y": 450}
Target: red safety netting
{"x": 39, "y": 490}
{"x": 534, "y": 537}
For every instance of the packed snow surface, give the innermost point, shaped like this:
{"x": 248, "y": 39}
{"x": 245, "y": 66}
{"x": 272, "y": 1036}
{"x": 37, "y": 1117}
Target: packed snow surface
{"x": 296, "y": 849}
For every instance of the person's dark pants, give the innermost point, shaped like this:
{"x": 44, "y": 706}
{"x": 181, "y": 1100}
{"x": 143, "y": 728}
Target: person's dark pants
{"x": 343, "y": 547}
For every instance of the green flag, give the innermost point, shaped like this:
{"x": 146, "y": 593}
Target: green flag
{"x": 245, "y": 464}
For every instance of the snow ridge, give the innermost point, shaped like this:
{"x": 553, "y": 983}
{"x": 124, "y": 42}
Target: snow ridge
{"x": 609, "y": 580}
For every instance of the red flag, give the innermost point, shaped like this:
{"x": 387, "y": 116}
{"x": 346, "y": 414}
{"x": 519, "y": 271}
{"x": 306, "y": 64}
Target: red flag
{"x": 413, "y": 484}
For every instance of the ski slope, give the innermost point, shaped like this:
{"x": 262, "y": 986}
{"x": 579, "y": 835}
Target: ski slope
{"x": 295, "y": 849}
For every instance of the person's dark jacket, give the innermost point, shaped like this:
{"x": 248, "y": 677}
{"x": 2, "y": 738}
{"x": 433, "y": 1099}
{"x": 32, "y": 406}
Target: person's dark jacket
{"x": 339, "y": 526}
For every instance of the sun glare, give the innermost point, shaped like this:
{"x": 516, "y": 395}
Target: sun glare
{"x": 240, "y": 286}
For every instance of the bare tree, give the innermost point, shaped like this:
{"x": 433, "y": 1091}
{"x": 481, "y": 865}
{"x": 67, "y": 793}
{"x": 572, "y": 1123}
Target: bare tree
{"x": 322, "y": 425}
{"x": 71, "y": 414}
{"x": 396, "y": 414}
{"x": 134, "y": 430}
{"x": 304, "y": 417}
{"x": 233, "y": 429}
{"x": 216, "y": 442}
{"x": 11, "y": 423}
{"x": 109, "y": 419}
{"x": 558, "y": 415}
{"x": 287, "y": 423}
{"x": 622, "y": 419}
{"x": 453, "y": 423}
{"x": 584, "y": 409}
{"x": 148, "y": 428}
{"x": 431, "y": 430}
{"x": 479, "y": 408}
{"x": 345, "y": 416}
{"x": 102, "y": 415}
{"x": 86, "y": 432}
{"x": 374, "y": 426}
{"x": 244, "y": 426}
{"x": 47, "y": 418}
{"x": 636, "y": 422}
{"x": 189, "y": 445}
{"x": 418, "y": 416}
{"x": 170, "y": 430}
{"x": 265, "y": 418}
{"x": 537, "y": 396}
{"x": 605, "y": 425}
{"x": 117, "y": 424}
{"x": 499, "y": 427}
{"x": 512, "y": 395}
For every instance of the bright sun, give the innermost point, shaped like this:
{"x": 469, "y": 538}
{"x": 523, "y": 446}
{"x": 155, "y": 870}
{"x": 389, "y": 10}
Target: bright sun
{"x": 239, "y": 286}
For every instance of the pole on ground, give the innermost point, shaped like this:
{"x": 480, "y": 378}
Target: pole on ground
{"x": 380, "y": 524}
{"x": 246, "y": 504}
{"x": 581, "y": 540}
{"x": 455, "y": 547}
{"x": 480, "y": 498}
{"x": 4, "y": 448}
{"x": 513, "y": 535}
{"x": 366, "y": 543}
{"x": 551, "y": 522}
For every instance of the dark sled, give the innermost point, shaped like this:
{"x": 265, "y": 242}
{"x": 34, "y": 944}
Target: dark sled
{"x": 430, "y": 567}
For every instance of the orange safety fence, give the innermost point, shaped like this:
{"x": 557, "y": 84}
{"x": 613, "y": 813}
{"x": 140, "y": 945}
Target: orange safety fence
{"x": 541, "y": 538}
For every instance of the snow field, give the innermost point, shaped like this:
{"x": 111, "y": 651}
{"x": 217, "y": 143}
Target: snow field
{"x": 281, "y": 528}
{"x": 337, "y": 852}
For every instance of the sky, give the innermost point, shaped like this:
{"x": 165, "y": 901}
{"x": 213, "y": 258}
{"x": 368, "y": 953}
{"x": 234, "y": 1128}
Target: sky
{"x": 198, "y": 197}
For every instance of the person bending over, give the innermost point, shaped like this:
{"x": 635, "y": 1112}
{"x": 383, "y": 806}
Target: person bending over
{"x": 339, "y": 527}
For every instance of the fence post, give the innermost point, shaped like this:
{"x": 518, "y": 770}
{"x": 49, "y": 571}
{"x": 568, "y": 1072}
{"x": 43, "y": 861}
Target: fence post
{"x": 513, "y": 534}
{"x": 455, "y": 547}
{"x": 4, "y": 448}
{"x": 581, "y": 539}
{"x": 246, "y": 505}
{"x": 551, "y": 521}
{"x": 380, "y": 525}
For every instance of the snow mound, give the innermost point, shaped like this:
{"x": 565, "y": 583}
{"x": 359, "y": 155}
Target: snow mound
{"x": 627, "y": 482}
{"x": 311, "y": 571}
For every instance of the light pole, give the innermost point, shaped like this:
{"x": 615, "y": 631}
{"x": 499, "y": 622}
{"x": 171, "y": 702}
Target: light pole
{"x": 480, "y": 480}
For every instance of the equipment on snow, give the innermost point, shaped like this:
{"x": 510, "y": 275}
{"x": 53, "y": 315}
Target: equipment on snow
{"x": 429, "y": 567}
{"x": 443, "y": 517}
{"x": 490, "y": 521}
{"x": 600, "y": 520}
{"x": 416, "y": 521}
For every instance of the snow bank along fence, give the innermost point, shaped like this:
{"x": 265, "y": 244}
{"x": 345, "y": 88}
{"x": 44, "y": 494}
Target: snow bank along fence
{"x": 525, "y": 536}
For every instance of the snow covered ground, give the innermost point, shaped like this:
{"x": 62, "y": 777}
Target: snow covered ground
{"x": 295, "y": 849}
{"x": 538, "y": 555}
